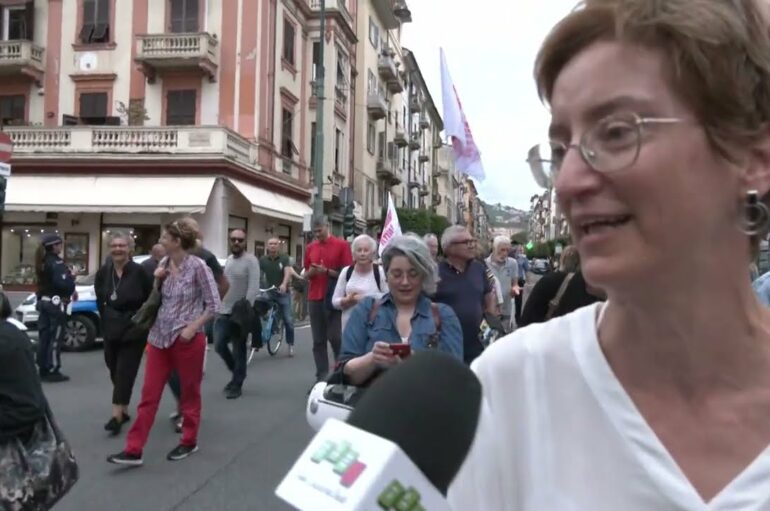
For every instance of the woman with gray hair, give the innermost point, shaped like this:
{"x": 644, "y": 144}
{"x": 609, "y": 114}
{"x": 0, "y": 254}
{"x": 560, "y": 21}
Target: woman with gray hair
{"x": 121, "y": 286}
{"x": 381, "y": 332}
{"x": 361, "y": 279}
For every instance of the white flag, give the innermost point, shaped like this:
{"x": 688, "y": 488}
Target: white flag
{"x": 467, "y": 155}
{"x": 391, "y": 228}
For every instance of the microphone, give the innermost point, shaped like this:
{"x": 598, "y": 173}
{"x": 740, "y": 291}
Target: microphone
{"x": 401, "y": 446}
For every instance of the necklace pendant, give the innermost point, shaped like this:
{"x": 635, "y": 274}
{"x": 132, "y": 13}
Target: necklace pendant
{"x": 114, "y": 296}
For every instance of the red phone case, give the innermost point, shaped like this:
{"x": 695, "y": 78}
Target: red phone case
{"x": 402, "y": 350}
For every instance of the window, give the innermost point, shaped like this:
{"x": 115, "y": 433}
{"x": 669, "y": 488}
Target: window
{"x": 312, "y": 145}
{"x": 369, "y": 199}
{"x": 371, "y": 82}
{"x": 12, "y": 110}
{"x": 17, "y": 22}
{"x": 374, "y": 33}
{"x": 288, "y": 41}
{"x": 381, "y": 146}
{"x": 93, "y": 107}
{"x": 337, "y": 149}
{"x": 342, "y": 68}
{"x": 96, "y": 21}
{"x": 287, "y": 129}
{"x": 184, "y": 16}
{"x": 316, "y": 59}
{"x": 370, "y": 138}
{"x": 180, "y": 107}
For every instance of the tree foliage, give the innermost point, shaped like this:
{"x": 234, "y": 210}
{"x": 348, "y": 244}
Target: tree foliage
{"x": 421, "y": 221}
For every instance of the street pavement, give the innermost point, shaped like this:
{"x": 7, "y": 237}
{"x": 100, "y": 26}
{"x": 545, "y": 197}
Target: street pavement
{"x": 246, "y": 445}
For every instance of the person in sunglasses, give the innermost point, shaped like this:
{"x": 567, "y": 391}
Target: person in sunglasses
{"x": 243, "y": 275}
{"x": 466, "y": 285}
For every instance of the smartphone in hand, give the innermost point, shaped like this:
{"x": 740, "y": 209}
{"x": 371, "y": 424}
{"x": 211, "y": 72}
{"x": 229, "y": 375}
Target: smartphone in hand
{"x": 401, "y": 350}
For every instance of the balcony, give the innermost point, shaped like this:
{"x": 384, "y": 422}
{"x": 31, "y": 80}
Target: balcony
{"x": 333, "y": 7}
{"x": 23, "y": 58}
{"x": 158, "y": 53}
{"x": 392, "y": 12}
{"x": 376, "y": 106}
{"x": 124, "y": 144}
{"x": 436, "y": 199}
{"x": 386, "y": 65}
{"x": 414, "y": 142}
{"x": 386, "y": 172}
{"x": 424, "y": 123}
{"x": 400, "y": 136}
{"x": 423, "y": 158}
{"x": 424, "y": 192}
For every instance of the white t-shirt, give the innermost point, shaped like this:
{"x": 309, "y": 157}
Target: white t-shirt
{"x": 558, "y": 432}
{"x": 363, "y": 284}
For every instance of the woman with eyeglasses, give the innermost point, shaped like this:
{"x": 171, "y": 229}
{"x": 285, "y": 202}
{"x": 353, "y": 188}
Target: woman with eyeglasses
{"x": 383, "y": 331}
{"x": 176, "y": 342}
{"x": 121, "y": 287}
{"x": 659, "y": 155}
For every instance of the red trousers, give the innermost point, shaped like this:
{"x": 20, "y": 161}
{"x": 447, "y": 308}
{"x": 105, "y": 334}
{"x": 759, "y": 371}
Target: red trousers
{"x": 187, "y": 359}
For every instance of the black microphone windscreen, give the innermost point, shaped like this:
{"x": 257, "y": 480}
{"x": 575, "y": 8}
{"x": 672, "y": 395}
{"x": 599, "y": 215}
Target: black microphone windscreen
{"x": 429, "y": 406}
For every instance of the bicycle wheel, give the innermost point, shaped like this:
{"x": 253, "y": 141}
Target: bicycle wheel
{"x": 276, "y": 336}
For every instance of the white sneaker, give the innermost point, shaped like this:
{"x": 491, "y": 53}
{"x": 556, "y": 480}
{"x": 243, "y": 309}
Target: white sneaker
{"x": 291, "y": 350}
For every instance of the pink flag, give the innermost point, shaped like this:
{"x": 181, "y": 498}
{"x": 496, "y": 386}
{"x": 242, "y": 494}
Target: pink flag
{"x": 392, "y": 227}
{"x": 467, "y": 155}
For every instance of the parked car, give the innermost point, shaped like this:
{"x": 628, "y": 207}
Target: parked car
{"x": 539, "y": 266}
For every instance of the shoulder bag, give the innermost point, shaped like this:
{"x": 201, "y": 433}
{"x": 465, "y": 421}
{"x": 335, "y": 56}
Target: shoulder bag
{"x": 147, "y": 314}
{"x": 556, "y": 300}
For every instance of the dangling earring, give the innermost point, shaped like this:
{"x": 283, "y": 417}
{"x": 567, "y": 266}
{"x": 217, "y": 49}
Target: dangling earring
{"x": 756, "y": 217}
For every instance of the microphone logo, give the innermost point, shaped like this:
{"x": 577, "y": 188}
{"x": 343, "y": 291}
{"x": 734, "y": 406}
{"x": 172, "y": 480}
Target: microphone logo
{"x": 343, "y": 458}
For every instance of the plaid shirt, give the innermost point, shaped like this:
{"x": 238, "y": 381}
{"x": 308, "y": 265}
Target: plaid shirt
{"x": 186, "y": 296}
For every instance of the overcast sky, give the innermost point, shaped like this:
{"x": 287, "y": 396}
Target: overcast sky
{"x": 490, "y": 47}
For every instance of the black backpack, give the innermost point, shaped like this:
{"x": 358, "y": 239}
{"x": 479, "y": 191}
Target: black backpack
{"x": 376, "y": 268}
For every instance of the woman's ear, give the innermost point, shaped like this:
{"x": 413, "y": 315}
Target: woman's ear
{"x": 756, "y": 175}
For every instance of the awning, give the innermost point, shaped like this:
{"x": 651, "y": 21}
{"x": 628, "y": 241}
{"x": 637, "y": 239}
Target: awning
{"x": 108, "y": 194}
{"x": 265, "y": 202}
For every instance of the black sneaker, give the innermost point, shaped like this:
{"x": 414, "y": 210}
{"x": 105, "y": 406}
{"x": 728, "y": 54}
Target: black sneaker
{"x": 228, "y": 387}
{"x": 56, "y": 377}
{"x": 124, "y": 458}
{"x": 180, "y": 452}
{"x": 233, "y": 392}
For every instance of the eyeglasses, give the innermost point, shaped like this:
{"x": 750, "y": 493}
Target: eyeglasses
{"x": 468, "y": 243}
{"x": 398, "y": 275}
{"x": 237, "y": 240}
{"x": 610, "y": 145}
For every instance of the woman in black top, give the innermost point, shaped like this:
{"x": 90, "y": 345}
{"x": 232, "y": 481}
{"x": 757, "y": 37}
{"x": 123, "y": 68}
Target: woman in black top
{"x": 122, "y": 286}
{"x": 22, "y": 404}
{"x": 575, "y": 296}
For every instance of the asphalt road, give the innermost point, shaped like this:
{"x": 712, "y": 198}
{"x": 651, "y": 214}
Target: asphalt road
{"x": 246, "y": 445}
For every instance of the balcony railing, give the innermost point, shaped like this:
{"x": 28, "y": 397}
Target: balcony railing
{"x": 178, "y": 51}
{"x": 331, "y": 6}
{"x": 193, "y": 142}
{"x": 22, "y": 56}
{"x": 376, "y": 106}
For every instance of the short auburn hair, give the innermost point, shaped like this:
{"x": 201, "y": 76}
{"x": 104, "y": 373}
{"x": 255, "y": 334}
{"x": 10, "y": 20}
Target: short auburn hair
{"x": 718, "y": 54}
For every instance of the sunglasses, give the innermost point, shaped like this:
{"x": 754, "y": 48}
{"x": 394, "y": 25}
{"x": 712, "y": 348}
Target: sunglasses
{"x": 237, "y": 240}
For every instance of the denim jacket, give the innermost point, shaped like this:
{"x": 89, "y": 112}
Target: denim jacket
{"x": 359, "y": 336}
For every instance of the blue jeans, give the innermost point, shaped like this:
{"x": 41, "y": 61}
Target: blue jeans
{"x": 284, "y": 302}
{"x": 235, "y": 360}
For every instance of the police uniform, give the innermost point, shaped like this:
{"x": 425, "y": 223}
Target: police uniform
{"x": 55, "y": 287}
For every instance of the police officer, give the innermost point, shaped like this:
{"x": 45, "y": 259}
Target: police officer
{"x": 55, "y": 286}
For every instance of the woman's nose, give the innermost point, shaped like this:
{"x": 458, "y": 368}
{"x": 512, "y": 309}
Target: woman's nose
{"x": 575, "y": 177}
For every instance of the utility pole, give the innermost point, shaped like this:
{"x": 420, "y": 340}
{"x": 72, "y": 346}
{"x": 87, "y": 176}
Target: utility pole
{"x": 318, "y": 170}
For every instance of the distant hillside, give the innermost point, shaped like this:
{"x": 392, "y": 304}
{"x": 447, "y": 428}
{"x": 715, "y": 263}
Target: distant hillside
{"x": 507, "y": 216}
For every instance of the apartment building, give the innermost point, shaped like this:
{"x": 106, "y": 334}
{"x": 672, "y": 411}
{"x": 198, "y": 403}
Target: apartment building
{"x": 423, "y": 138}
{"x": 447, "y": 187}
{"x": 129, "y": 113}
{"x": 379, "y": 162}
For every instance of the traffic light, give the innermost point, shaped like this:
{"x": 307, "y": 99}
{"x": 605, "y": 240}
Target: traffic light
{"x": 3, "y": 183}
{"x": 349, "y": 222}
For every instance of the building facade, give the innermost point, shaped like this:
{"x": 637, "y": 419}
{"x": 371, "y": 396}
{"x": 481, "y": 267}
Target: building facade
{"x": 447, "y": 187}
{"x": 127, "y": 114}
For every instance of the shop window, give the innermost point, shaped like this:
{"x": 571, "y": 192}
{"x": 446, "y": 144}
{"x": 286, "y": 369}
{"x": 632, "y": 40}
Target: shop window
{"x": 18, "y": 258}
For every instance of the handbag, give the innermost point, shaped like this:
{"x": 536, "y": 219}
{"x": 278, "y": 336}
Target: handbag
{"x": 37, "y": 472}
{"x": 147, "y": 314}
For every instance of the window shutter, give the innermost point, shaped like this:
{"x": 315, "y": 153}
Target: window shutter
{"x": 180, "y": 107}
{"x": 29, "y": 21}
{"x": 177, "y": 16}
{"x": 89, "y": 20}
{"x": 93, "y": 105}
{"x": 191, "y": 16}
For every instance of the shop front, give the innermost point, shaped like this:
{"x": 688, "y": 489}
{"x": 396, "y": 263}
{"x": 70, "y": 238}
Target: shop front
{"x": 86, "y": 210}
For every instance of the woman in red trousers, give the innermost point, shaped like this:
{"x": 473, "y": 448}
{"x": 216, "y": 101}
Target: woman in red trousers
{"x": 176, "y": 342}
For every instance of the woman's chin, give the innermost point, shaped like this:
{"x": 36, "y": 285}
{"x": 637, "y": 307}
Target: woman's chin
{"x": 611, "y": 272}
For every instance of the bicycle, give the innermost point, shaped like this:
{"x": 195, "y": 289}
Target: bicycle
{"x": 273, "y": 330}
